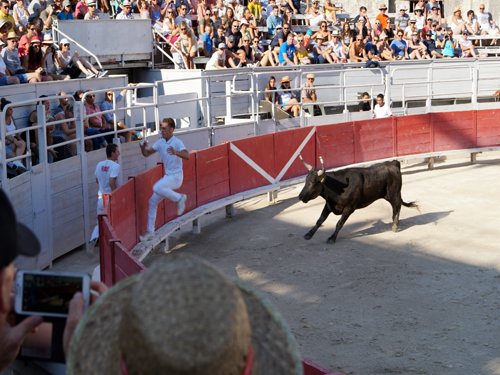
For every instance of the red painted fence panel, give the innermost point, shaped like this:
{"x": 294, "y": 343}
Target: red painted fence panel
{"x": 286, "y": 144}
{"x": 373, "y": 139}
{"x": 413, "y": 134}
{"x": 488, "y": 128}
{"x": 122, "y": 208}
{"x": 259, "y": 149}
{"x": 453, "y": 130}
{"x": 188, "y": 187}
{"x": 144, "y": 183}
{"x": 125, "y": 263}
{"x": 335, "y": 143}
{"x": 311, "y": 368}
{"x": 107, "y": 237}
{"x": 212, "y": 174}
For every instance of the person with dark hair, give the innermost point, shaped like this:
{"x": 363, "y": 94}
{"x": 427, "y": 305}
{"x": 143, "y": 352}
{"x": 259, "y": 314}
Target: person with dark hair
{"x": 106, "y": 175}
{"x": 5, "y": 15}
{"x": 365, "y": 105}
{"x": 172, "y": 152}
{"x": 272, "y": 97}
{"x": 34, "y": 60}
{"x": 10, "y": 56}
{"x": 381, "y": 110}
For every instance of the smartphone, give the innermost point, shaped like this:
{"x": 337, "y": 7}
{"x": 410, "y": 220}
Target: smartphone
{"x": 48, "y": 293}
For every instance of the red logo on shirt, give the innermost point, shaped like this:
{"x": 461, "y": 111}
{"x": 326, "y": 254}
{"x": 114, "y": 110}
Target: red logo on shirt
{"x": 104, "y": 169}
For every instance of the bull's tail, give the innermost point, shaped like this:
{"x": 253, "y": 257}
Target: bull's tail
{"x": 411, "y": 205}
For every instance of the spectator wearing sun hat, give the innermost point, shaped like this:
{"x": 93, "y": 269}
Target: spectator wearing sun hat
{"x": 91, "y": 14}
{"x": 65, "y": 13}
{"x": 125, "y": 13}
{"x": 181, "y": 316}
{"x": 286, "y": 98}
{"x": 411, "y": 28}
{"x": 5, "y": 15}
{"x": 5, "y": 26}
{"x": 34, "y": 60}
{"x": 218, "y": 59}
{"x": 402, "y": 19}
{"x": 11, "y": 58}
{"x": 382, "y": 17}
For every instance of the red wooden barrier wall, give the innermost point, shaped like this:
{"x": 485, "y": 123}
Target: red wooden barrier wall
{"x": 488, "y": 128}
{"x": 212, "y": 174}
{"x": 107, "y": 238}
{"x": 188, "y": 187}
{"x": 335, "y": 144}
{"x": 452, "y": 130}
{"x": 373, "y": 139}
{"x": 242, "y": 176}
{"x": 144, "y": 190}
{"x": 413, "y": 135}
{"x": 125, "y": 263}
{"x": 121, "y": 209}
{"x": 285, "y": 145}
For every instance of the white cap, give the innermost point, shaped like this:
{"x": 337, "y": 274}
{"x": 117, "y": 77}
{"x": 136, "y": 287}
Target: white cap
{"x": 244, "y": 22}
{"x": 64, "y": 41}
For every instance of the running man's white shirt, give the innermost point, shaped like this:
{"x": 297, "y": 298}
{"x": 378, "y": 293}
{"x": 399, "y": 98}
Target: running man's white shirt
{"x": 103, "y": 172}
{"x": 172, "y": 163}
{"x": 382, "y": 112}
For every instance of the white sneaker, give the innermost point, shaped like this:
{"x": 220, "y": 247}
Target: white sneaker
{"x": 147, "y": 237}
{"x": 102, "y": 74}
{"x": 181, "y": 204}
{"x": 257, "y": 64}
{"x": 239, "y": 65}
{"x": 90, "y": 75}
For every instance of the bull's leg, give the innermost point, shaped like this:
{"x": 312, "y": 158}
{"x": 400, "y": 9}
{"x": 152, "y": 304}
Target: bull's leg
{"x": 396, "y": 209}
{"x": 345, "y": 215}
{"x": 321, "y": 220}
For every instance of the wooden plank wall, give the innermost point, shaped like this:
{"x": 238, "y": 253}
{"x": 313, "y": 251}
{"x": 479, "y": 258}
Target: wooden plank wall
{"x": 67, "y": 205}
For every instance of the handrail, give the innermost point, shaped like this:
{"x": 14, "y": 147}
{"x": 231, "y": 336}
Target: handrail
{"x": 171, "y": 46}
{"x": 54, "y": 27}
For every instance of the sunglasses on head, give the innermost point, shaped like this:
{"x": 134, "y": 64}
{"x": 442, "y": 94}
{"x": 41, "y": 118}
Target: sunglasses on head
{"x": 65, "y": 45}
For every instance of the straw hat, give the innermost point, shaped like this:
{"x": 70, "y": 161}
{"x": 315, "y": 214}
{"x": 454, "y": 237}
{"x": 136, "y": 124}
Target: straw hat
{"x": 182, "y": 316}
{"x": 383, "y": 35}
{"x": 382, "y": 6}
{"x": 457, "y": 9}
{"x": 286, "y": 79}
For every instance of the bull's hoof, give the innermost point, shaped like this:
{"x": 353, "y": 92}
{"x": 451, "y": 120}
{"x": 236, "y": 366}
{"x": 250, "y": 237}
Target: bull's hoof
{"x": 330, "y": 241}
{"x": 307, "y": 237}
{"x": 395, "y": 228}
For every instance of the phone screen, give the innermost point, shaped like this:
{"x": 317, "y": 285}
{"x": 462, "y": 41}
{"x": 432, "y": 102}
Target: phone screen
{"x": 49, "y": 293}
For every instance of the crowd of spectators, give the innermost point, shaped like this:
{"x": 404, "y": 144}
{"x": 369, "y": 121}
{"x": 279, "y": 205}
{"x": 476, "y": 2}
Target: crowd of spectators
{"x": 27, "y": 48}
{"x": 250, "y": 33}
{"x": 66, "y": 130}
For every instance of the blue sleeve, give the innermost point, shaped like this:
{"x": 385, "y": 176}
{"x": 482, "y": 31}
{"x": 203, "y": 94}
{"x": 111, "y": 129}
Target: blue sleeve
{"x": 70, "y": 16}
{"x": 105, "y": 106}
{"x": 118, "y": 98}
{"x": 270, "y": 26}
{"x": 394, "y": 47}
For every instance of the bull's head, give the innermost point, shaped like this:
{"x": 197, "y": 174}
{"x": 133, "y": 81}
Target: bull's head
{"x": 314, "y": 181}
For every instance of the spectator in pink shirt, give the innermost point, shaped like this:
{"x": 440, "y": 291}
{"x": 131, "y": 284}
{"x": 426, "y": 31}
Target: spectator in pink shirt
{"x": 97, "y": 121}
{"x": 80, "y": 10}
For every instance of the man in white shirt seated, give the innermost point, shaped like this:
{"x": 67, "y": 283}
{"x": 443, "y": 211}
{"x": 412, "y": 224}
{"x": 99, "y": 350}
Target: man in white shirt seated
{"x": 486, "y": 24}
{"x": 337, "y": 48}
{"x": 126, "y": 10}
{"x": 381, "y": 110}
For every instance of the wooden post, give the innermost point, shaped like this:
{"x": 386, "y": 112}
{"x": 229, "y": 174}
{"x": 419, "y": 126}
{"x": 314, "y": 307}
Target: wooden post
{"x": 229, "y": 211}
{"x": 196, "y": 226}
{"x": 164, "y": 245}
{"x": 430, "y": 165}
{"x": 473, "y": 157}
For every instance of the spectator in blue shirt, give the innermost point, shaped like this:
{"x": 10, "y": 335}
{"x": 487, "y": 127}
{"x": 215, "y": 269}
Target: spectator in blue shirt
{"x": 207, "y": 41}
{"x": 400, "y": 47}
{"x": 287, "y": 54}
{"x": 65, "y": 14}
{"x": 272, "y": 21}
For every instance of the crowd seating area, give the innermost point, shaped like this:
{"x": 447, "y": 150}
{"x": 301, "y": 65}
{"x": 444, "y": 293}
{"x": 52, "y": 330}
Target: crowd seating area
{"x": 254, "y": 33}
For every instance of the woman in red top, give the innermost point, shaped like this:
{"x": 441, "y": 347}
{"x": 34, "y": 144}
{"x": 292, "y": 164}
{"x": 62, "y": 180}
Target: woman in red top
{"x": 34, "y": 60}
{"x": 24, "y": 43}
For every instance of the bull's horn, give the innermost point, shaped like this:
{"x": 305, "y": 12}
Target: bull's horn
{"x": 309, "y": 167}
{"x": 323, "y": 169}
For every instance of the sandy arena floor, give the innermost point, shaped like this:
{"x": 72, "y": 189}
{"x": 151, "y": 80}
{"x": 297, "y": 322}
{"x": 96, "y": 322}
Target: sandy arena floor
{"x": 421, "y": 301}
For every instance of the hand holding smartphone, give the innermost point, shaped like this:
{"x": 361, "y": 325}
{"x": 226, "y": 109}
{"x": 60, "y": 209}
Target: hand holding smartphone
{"x": 48, "y": 294}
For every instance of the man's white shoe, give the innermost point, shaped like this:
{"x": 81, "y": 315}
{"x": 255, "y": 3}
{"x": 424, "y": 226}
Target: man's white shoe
{"x": 147, "y": 237}
{"x": 102, "y": 74}
{"x": 181, "y": 204}
{"x": 90, "y": 75}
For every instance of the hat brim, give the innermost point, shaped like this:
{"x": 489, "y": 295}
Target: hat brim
{"x": 97, "y": 335}
{"x": 28, "y": 242}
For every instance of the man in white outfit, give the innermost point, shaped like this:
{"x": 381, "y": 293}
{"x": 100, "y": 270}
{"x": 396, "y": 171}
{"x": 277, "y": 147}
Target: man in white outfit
{"x": 171, "y": 150}
{"x": 106, "y": 176}
{"x": 381, "y": 109}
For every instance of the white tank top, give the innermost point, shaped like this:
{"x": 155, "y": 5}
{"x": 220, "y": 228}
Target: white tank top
{"x": 21, "y": 15}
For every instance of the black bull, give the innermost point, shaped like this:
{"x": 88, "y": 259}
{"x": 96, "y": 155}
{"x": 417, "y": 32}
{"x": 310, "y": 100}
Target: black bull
{"x": 349, "y": 189}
